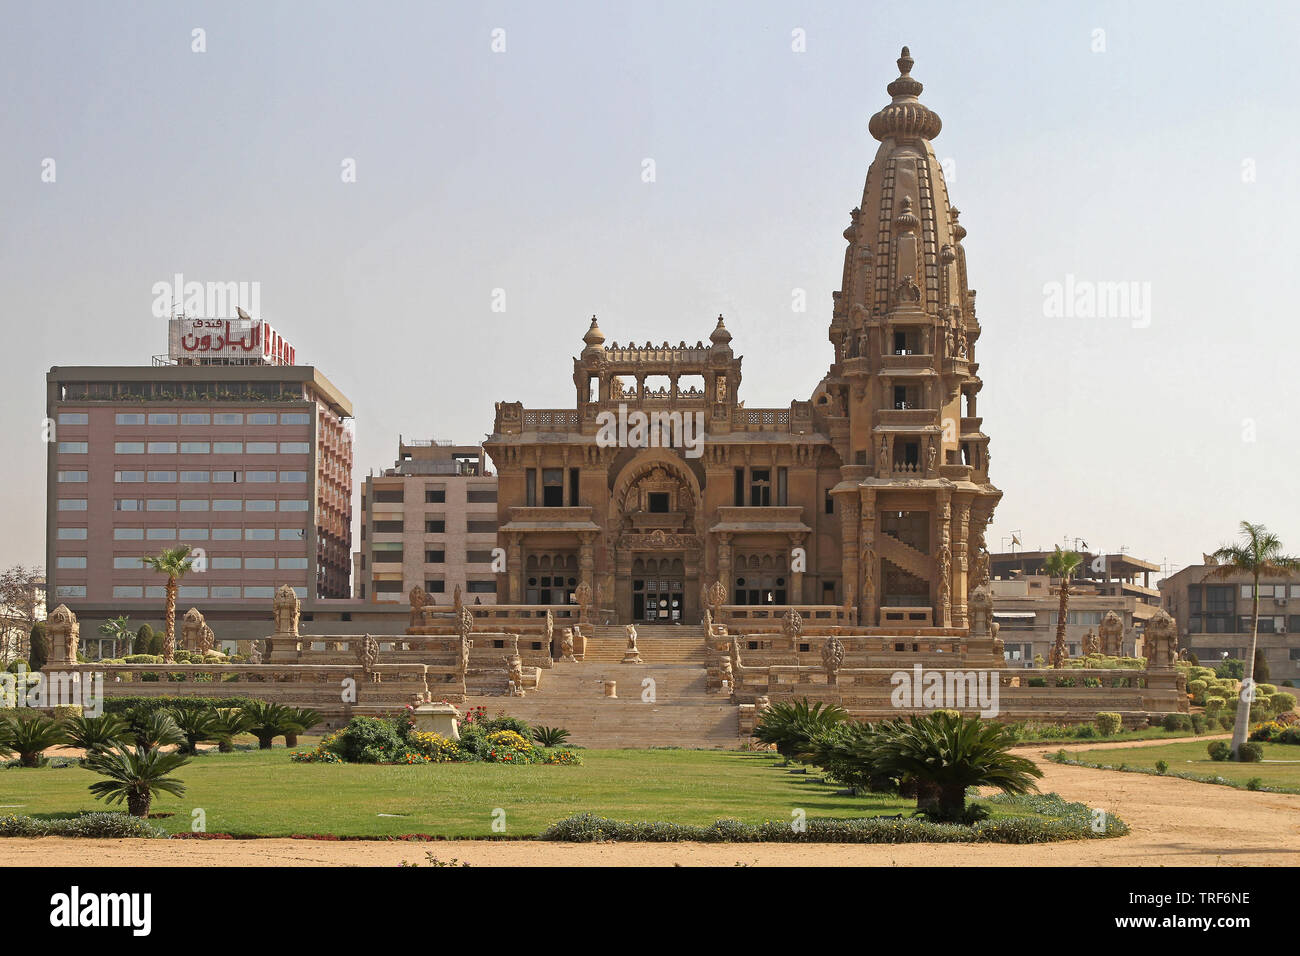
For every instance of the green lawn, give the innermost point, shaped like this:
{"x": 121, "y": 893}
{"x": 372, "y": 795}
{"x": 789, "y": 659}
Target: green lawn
{"x": 1280, "y": 768}
{"x": 263, "y": 793}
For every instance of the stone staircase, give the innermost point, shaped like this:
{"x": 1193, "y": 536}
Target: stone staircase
{"x": 658, "y": 644}
{"x": 906, "y": 557}
{"x": 661, "y": 703}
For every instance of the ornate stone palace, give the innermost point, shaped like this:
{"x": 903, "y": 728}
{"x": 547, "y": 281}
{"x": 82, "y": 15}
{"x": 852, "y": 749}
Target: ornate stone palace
{"x": 871, "y": 496}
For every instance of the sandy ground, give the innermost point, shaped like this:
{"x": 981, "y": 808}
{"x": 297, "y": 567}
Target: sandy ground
{"x": 1174, "y": 823}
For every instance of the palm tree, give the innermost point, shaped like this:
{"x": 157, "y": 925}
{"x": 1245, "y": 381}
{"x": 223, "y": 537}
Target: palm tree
{"x": 268, "y": 721}
{"x": 135, "y": 775}
{"x": 792, "y": 726}
{"x": 1260, "y": 555}
{"x": 305, "y": 718}
{"x": 30, "y": 735}
{"x": 550, "y": 736}
{"x": 120, "y": 632}
{"x": 156, "y": 729}
{"x": 1062, "y": 564}
{"x": 227, "y": 724}
{"x": 197, "y": 724}
{"x": 175, "y": 563}
{"x": 96, "y": 733}
{"x": 951, "y": 753}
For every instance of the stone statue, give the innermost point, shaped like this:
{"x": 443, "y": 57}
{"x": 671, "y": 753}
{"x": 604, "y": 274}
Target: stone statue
{"x": 566, "y": 644}
{"x": 64, "y": 632}
{"x": 255, "y": 652}
{"x": 515, "y": 675}
{"x": 465, "y": 623}
{"x": 1091, "y": 643}
{"x": 1111, "y": 634}
{"x": 288, "y": 610}
{"x": 792, "y": 625}
{"x": 418, "y": 600}
{"x": 192, "y": 625}
{"x": 727, "y": 674}
{"x": 980, "y": 573}
{"x": 1160, "y": 641}
{"x": 367, "y": 652}
{"x": 631, "y": 655}
{"x": 583, "y": 594}
{"x": 832, "y": 658}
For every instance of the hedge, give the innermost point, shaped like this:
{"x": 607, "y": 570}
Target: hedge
{"x": 147, "y": 705}
{"x": 1066, "y": 821}
{"x": 97, "y": 825}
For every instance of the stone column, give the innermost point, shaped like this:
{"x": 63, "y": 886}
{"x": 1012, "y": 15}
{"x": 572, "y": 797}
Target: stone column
{"x": 961, "y": 565}
{"x": 515, "y": 568}
{"x": 850, "y": 530}
{"x": 870, "y": 603}
{"x": 943, "y": 560}
{"x": 587, "y": 558}
{"x": 796, "y": 577}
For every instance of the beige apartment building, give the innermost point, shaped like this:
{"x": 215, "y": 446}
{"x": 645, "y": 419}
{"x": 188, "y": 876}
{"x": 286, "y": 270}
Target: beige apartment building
{"x": 429, "y": 521}
{"x": 1027, "y": 602}
{"x": 1214, "y": 617}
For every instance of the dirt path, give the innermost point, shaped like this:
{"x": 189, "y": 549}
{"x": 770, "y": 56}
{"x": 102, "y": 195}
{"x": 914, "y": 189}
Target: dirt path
{"x": 1174, "y": 822}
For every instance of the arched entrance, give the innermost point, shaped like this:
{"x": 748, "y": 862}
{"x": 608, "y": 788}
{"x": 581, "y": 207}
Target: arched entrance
{"x": 656, "y": 547}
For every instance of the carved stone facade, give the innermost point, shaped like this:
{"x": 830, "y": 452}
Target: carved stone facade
{"x": 872, "y": 495}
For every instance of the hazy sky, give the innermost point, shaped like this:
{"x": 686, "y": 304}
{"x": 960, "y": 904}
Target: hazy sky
{"x": 1162, "y": 151}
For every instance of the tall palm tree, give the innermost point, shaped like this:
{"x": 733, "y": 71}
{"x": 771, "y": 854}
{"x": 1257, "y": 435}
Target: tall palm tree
{"x": 1062, "y": 564}
{"x": 120, "y": 632}
{"x": 175, "y": 563}
{"x": 1259, "y": 554}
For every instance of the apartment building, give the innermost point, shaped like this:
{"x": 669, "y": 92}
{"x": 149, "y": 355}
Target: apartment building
{"x": 1214, "y": 614}
{"x": 431, "y": 521}
{"x": 248, "y": 462}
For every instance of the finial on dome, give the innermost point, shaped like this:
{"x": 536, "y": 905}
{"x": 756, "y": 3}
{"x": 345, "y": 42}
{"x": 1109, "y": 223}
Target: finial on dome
{"x": 594, "y": 337}
{"x": 905, "y": 117}
{"x": 720, "y": 335}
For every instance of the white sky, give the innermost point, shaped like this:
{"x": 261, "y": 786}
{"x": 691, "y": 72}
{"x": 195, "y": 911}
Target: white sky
{"x": 522, "y": 171}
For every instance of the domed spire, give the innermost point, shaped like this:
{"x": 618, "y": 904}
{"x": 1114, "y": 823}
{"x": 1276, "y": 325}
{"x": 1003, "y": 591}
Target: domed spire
{"x": 720, "y": 335}
{"x": 594, "y": 337}
{"x": 905, "y": 117}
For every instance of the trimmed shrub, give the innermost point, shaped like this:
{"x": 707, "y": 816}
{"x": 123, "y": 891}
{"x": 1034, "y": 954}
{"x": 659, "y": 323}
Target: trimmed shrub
{"x": 1176, "y": 722}
{"x": 1219, "y": 750}
{"x": 1213, "y": 705}
{"x": 1250, "y": 753}
{"x": 1282, "y": 702}
{"x": 1162, "y": 767}
{"x": 1197, "y": 689}
{"x": 1108, "y": 723}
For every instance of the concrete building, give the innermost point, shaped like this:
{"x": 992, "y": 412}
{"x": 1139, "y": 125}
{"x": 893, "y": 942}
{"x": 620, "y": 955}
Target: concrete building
{"x": 1027, "y": 602}
{"x": 429, "y": 521}
{"x": 248, "y": 462}
{"x": 870, "y": 494}
{"x": 1214, "y": 616}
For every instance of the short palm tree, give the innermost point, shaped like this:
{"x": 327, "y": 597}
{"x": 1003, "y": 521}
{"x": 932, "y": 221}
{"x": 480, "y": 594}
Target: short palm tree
{"x": 305, "y": 718}
{"x": 197, "y": 724}
{"x": 96, "y": 733}
{"x": 155, "y": 729}
{"x": 227, "y": 724}
{"x": 119, "y": 630}
{"x": 268, "y": 721}
{"x": 1259, "y": 554}
{"x": 846, "y": 751}
{"x": 135, "y": 775}
{"x": 30, "y": 735}
{"x": 175, "y": 563}
{"x": 1062, "y": 564}
{"x": 950, "y": 753}
{"x": 792, "y": 725}
{"x": 550, "y": 736}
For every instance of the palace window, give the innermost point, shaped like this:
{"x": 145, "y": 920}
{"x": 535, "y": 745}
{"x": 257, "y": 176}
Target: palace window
{"x": 760, "y": 487}
{"x": 552, "y": 487}
{"x": 658, "y": 502}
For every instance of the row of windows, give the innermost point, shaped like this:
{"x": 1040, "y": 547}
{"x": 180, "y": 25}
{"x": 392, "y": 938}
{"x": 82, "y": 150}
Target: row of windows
{"x": 221, "y": 563}
{"x": 192, "y": 418}
{"x": 196, "y": 477}
{"x": 191, "y": 534}
{"x": 434, "y": 496}
{"x": 205, "y": 448}
{"x": 436, "y": 587}
{"x": 393, "y": 554}
{"x": 192, "y": 504}
{"x": 185, "y": 592}
{"x": 437, "y": 527}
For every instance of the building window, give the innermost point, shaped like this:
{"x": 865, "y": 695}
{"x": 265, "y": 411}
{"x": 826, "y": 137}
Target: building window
{"x": 260, "y": 447}
{"x": 435, "y": 557}
{"x": 70, "y": 591}
{"x": 162, "y": 448}
{"x": 162, "y": 418}
{"x": 292, "y": 564}
{"x": 435, "y": 587}
{"x": 479, "y": 496}
{"x": 161, "y": 504}
{"x": 530, "y": 487}
{"x": 228, "y": 418}
{"x": 73, "y": 418}
{"x": 760, "y": 487}
{"x": 128, "y": 448}
{"x": 195, "y": 418}
{"x": 293, "y": 477}
{"x": 481, "y": 527}
{"x": 162, "y": 477}
{"x": 73, "y": 447}
{"x": 260, "y": 504}
{"x": 78, "y": 563}
{"x": 552, "y": 487}
{"x": 259, "y": 534}
{"x": 161, "y": 534}
{"x": 72, "y": 504}
{"x": 261, "y": 418}
{"x": 658, "y": 502}
{"x": 435, "y": 527}
{"x": 194, "y": 477}
{"x": 295, "y": 448}
{"x": 293, "y": 534}
{"x": 478, "y": 557}
{"x": 293, "y": 504}
{"x": 228, "y": 447}
{"x": 227, "y": 534}
{"x": 268, "y": 564}
{"x": 388, "y": 496}
{"x": 194, "y": 534}
{"x": 123, "y": 477}
{"x": 739, "y": 497}
{"x": 830, "y": 502}
{"x": 72, "y": 476}
{"x": 481, "y": 587}
{"x": 128, "y": 591}
{"x": 295, "y": 418}
{"x": 388, "y": 527}
{"x": 226, "y": 564}
{"x": 129, "y": 418}
{"x": 435, "y": 496}
{"x": 573, "y": 487}
{"x": 195, "y": 448}
{"x": 72, "y": 534}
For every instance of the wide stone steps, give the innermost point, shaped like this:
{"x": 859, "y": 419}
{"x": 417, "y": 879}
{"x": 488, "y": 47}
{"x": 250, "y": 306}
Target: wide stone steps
{"x": 658, "y": 705}
{"x": 658, "y": 644}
